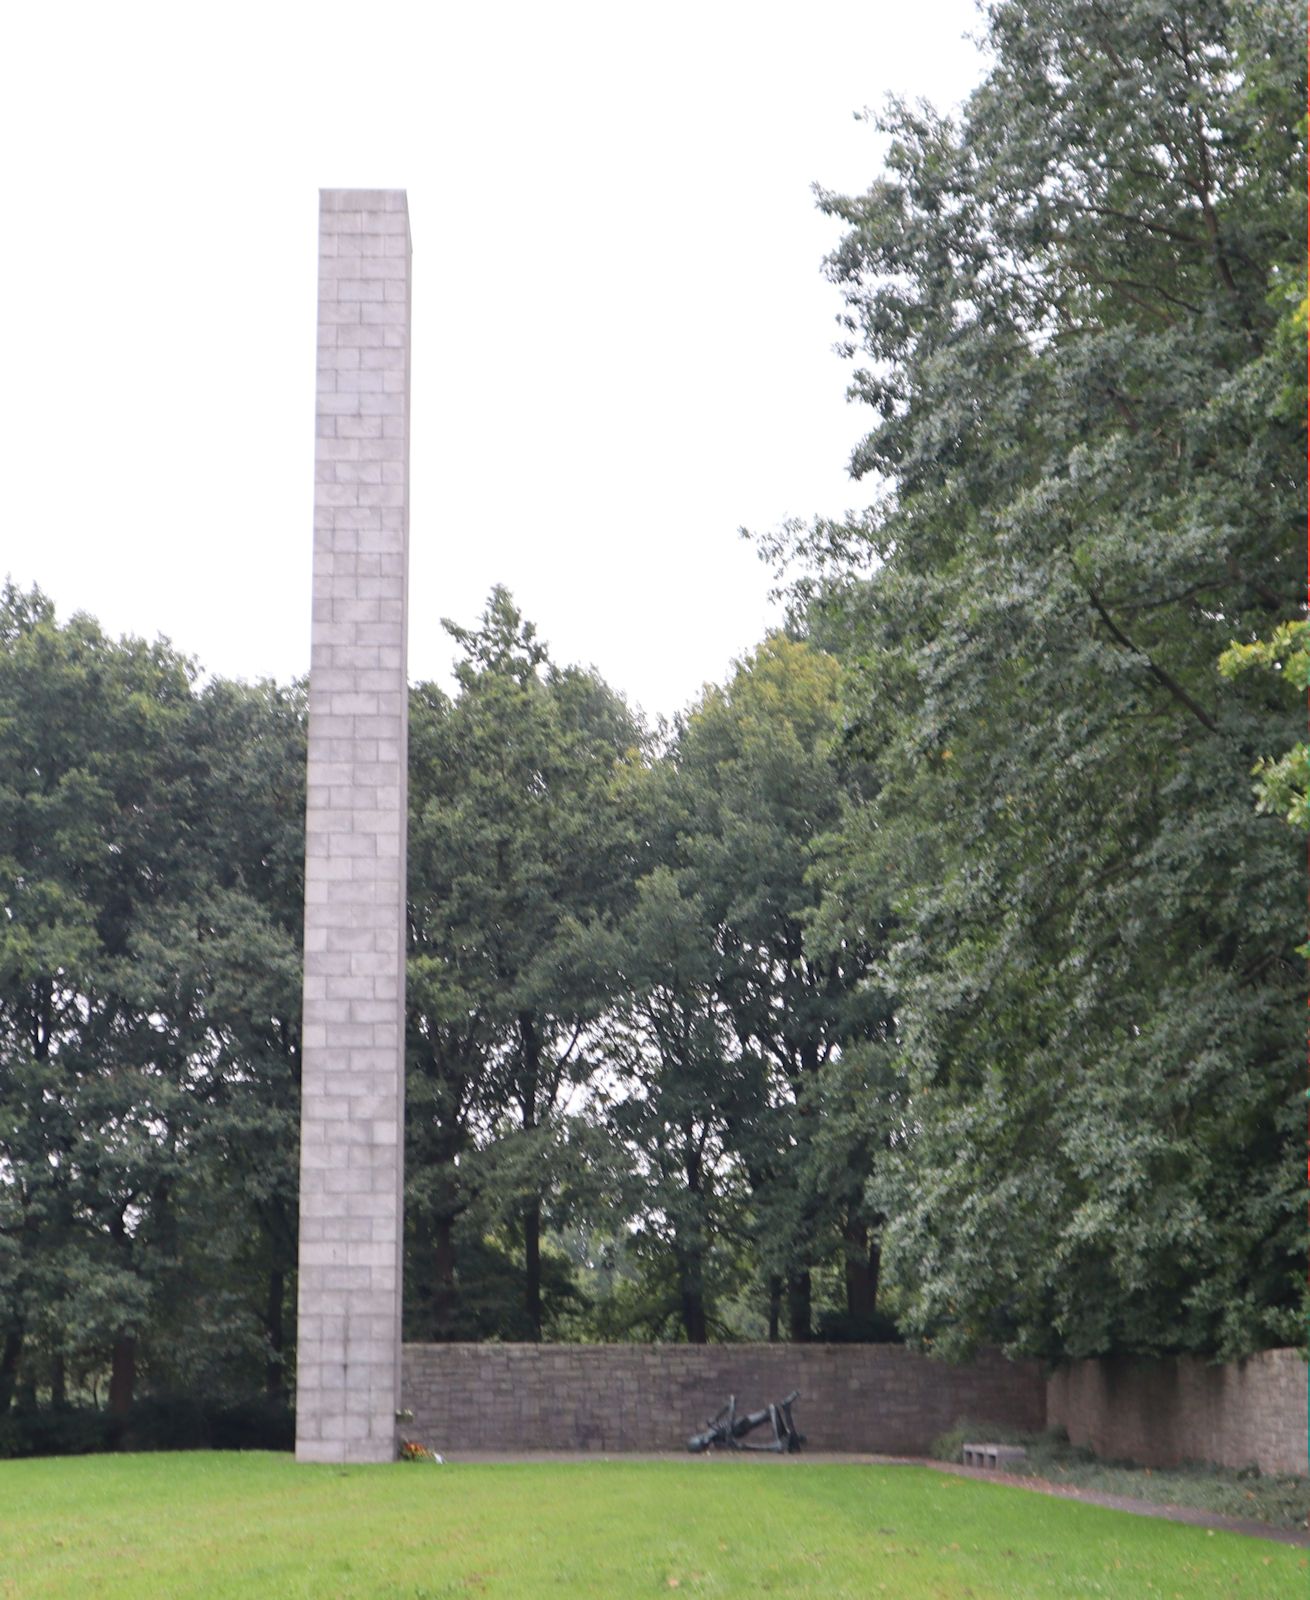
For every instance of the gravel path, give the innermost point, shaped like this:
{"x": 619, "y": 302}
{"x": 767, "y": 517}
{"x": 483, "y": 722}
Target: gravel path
{"x": 1194, "y": 1515}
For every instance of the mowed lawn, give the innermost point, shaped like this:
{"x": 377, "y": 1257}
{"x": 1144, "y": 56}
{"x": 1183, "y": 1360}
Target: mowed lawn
{"x": 207, "y": 1524}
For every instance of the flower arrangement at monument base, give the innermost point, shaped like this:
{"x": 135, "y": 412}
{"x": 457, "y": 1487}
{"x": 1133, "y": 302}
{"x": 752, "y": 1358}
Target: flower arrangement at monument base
{"x": 412, "y": 1450}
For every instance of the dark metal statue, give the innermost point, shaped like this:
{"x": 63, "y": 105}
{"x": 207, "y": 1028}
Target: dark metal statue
{"x": 727, "y": 1429}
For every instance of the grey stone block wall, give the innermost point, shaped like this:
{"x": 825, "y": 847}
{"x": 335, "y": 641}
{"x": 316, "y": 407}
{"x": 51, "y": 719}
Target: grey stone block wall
{"x": 352, "y": 1147}
{"x": 618, "y": 1397}
{"x": 1185, "y": 1409}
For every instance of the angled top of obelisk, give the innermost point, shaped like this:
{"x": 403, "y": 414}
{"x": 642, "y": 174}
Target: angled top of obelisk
{"x": 363, "y": 200}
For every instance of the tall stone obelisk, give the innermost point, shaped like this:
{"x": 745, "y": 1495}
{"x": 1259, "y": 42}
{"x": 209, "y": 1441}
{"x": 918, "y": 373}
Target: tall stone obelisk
{"x": 353, "y": 1062}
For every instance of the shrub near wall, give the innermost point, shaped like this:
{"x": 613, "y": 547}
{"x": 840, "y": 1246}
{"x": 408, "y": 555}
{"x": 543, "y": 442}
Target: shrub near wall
{"x": 1161, "y": 1413}
{"x": 621, "y": 1397}
{"x": 155, "y": 1422}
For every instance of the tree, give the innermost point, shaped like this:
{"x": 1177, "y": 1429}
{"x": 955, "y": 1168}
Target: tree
{"x": 682, "y": 1094}
{"x": 1089, "y": 485}
{"x": 96, "y": 797}
{"x": 250, "y": 741}
{"x": 1283, "y": 782}
{"x": 518, "y": 836}
{"x": 149, "y": 1001}
{"x": 732, "y": 1021}
{"x": 758, "y": 760}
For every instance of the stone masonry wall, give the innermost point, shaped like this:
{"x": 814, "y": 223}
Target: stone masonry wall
{"x": 352, "y": 1104}
{"x": 1162, "y": 1412}
{"x": 620, "y": 1397}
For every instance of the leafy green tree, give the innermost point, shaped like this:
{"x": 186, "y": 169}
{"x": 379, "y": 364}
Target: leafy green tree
{"x": 244, "y": 1167}
{"x": 683, "y": 1093}
{"x": 96, "y": 799}
{"x": 731, "y": 1021}
{"x": 1283, "y": 782}
{"x": 518, "y": 836}
{"x": 1089, "y": 483}
{"x": 149, "y": 860}
{"x": 758, "y": 762}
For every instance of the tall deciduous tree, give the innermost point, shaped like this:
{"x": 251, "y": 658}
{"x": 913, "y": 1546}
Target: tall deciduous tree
{"x": 734, "y": 1018}
{"x": 1069, "y": 304}
{"x": 518, "y": 835}
{"x": 758, "y": 761}
{"x": 149, "y": 864}
{"x": 682, "y": 1095}
{"x": 97, "y": 796}
{"x": 250, "y": 742}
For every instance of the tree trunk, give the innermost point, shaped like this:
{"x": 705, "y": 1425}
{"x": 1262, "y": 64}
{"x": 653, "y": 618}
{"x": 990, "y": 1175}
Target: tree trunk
{"x": 690, "y": 1261}
{"x": 693, "y": 1314}
{"x": 530, "y": 1047}
{"x": 58, "y": 1382}
{"x": 532, "y": 1267}
{"x": 798, "y": 1308}
{"x": 443, "y": 1285}
{"x": 122, "y": 1375}
{"x": 861, "y": 1264}
{"x": 9, "y": 1356}
{"x": 875, "y": 1261}
{"x": 775, "y": 1306}
{"x": 274, "y": 1386}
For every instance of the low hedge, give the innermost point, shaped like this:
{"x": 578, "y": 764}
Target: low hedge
{"x": 156, "y": 1422}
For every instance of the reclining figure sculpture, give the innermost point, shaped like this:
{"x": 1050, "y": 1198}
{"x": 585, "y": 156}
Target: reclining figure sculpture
{"x": 728, "y": 1429}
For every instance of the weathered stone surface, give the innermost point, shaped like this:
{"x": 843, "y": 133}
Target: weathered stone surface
{"x": 352, "y": 1117}
{"x": 1185, "y": 1409}
{"x": 619, "y": 1397}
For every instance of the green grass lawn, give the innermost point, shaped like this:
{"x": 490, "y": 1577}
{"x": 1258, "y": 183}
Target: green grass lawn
{"x": 1280, "y": 1499}
{"x": 209, "y": 1524}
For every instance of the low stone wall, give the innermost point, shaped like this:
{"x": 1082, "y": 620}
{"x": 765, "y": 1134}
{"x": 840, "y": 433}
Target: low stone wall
{"x": 617, "y": 1397}
{"x": 1184, "y": 1409}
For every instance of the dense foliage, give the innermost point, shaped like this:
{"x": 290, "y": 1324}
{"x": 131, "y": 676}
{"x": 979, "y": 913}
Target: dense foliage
{"x": 519, "y": 842}
{"x": 151, "y": 834}
{"x": 1074, "y": 307}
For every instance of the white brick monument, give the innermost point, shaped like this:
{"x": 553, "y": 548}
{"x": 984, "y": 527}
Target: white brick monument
{"x": 353, "y": 1080}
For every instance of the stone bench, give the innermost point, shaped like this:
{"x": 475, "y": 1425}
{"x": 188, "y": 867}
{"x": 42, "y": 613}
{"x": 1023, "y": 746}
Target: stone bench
{"x": 993, "y": 1456}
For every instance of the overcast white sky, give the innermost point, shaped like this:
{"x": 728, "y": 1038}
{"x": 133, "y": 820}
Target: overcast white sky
{"x": 622, "y": 338}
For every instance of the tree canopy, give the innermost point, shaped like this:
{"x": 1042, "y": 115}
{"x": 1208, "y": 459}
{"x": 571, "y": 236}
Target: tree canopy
{"x": 149, "y": 997}
{"x": 1071, "y": 307}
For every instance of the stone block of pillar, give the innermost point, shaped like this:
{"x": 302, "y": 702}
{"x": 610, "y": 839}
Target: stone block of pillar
{"x": 353, "y": 1072}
